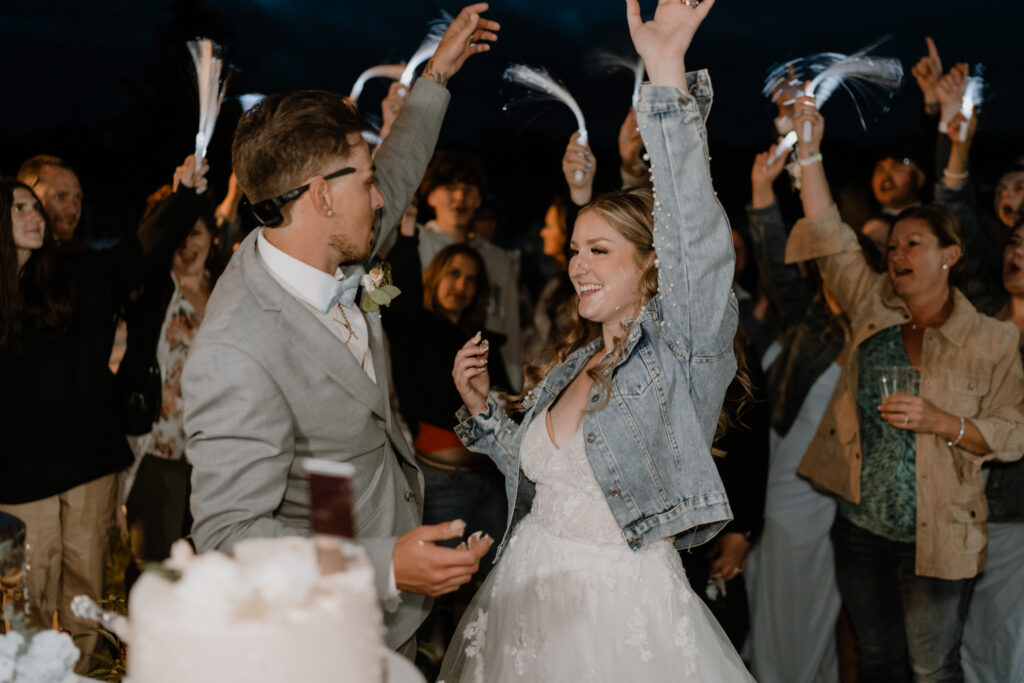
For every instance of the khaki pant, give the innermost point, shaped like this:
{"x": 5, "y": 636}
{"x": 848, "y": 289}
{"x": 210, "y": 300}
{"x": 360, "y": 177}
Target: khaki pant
{"x": 68, "y": 538}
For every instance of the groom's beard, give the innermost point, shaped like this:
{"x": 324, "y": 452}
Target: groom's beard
{"x": 350, "y": 254}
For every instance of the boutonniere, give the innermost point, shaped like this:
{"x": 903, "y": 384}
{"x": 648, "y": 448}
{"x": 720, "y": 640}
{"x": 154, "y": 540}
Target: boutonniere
{"x": 379, "y": 290}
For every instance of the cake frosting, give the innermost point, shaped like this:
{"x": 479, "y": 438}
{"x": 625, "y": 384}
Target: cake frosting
{"x": 265, "y": 615}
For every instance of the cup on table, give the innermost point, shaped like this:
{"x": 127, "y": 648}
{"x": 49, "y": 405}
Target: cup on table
{"x": 897, "y": 379}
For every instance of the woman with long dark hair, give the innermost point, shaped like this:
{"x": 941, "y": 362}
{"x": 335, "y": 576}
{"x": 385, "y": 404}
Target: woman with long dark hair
{"x": 63, "y": 439}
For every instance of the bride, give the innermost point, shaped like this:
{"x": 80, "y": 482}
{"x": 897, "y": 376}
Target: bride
{"x": 616, "y": 435}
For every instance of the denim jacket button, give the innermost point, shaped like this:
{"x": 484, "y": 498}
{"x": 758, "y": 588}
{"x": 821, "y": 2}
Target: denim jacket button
{"x": 591, "y": 437}
{"x": 613, "y": 491}
{"x": 637, "y": 540}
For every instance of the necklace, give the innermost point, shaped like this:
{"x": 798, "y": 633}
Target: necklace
{"x": 348, "y": 326}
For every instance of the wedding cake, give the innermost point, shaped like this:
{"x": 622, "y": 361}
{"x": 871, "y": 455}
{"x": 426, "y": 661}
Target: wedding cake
{"x": 267, "y": 614}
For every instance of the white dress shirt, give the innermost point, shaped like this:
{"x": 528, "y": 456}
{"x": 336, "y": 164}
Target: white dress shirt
{"x": 312, "y": 287}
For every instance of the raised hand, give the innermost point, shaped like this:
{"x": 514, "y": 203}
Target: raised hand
{"x": 927, "y": 73}
{"x": 391, "y": 105}
{"x": 763, "y": 175}
{"x": 664, "y": 40}
{"x": 470, "y": 374}
{"x": 950, "y": 90}
{"x": 189, "y": 176}
{"x": 805, "y": 111}
{"x": 422, "y": 566}
{"x": 579, "y": 162}
{"x": 468, "y": 34}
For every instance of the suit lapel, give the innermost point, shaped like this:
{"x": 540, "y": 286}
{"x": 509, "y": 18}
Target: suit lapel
{"x": 303, "y": 331}
{"x": 330, "y": 354}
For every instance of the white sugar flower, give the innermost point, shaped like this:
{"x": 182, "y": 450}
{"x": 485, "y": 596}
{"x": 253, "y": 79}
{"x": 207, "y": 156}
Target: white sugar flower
{"x": 10, "y": 643}
{"x": 49, "y": 659}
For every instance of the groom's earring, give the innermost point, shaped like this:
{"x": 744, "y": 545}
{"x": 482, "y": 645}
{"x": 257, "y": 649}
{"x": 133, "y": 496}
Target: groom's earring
{"x": 331, "y": 213}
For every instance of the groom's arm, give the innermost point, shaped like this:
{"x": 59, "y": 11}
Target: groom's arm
{"x": 240, "y": 445}
{"x": 402, "y": 158}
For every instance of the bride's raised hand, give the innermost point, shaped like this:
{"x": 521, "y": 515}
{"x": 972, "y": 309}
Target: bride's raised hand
{"x": 470, "y": 374}
{"x": 664, "y": 40}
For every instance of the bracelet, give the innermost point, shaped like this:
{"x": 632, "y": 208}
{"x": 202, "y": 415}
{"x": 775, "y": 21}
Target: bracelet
{"x": 813, "y": 159}
{"x": 955, "y": 176}
{"x": 958, "y": 436}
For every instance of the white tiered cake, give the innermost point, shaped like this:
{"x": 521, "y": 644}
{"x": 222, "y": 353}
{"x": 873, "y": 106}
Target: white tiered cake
{"x": 266, "y": 615}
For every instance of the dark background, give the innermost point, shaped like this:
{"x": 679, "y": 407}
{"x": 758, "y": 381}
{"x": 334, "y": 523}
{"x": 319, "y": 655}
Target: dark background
{"x": 108, "y": 85}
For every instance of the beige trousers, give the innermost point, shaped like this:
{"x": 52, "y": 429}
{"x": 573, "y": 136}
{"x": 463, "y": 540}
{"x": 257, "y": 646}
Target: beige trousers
{"x": 68, "y": 538}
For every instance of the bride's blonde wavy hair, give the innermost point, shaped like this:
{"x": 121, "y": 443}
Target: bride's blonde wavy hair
{"x": 630, "y": 212}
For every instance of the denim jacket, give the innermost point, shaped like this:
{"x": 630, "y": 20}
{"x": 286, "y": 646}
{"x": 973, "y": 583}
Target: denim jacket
{"x": 650, "y": 447}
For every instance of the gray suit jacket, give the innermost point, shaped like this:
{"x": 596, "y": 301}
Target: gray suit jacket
{"x": 267, "y": 385}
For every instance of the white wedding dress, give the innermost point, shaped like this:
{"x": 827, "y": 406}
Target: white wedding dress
{"x": 570, "y": 602}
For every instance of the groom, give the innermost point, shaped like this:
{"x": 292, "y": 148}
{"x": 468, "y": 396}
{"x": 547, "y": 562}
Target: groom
{"x": 286, "y": 367}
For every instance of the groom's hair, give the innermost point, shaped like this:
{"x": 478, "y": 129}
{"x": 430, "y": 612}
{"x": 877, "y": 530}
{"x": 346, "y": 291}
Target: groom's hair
{"x": 289, "y": 137}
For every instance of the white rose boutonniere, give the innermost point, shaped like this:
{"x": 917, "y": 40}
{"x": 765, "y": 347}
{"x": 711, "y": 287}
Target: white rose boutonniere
{"x": 379, "y": 288}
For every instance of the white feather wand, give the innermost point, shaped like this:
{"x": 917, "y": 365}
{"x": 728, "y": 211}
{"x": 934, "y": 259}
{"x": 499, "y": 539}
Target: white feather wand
{"x": 785, "y": 144}
{"x": 972, "y": 98}
{"x": 426, "y": 48}
{"x": 614, "y": 62}
{"x": 212, "y": 82}
{"x": 540, "y": 81}
{"x": 391, "y": 71}
{"x": 829, "y": 71}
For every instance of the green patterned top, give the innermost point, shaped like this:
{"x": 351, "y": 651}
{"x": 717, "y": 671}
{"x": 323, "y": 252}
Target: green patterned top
{"x": 888, "y": 480}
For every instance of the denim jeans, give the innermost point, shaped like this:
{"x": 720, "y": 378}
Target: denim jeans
{"x": 903, "y": 622}
{"x": 477, "y": 498}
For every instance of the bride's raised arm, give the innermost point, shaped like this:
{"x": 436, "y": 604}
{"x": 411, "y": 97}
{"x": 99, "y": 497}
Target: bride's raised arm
{"x": 691, "y": 232}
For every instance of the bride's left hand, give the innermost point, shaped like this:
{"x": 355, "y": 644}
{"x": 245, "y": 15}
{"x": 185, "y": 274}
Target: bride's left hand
{"x": 729, "y": 555}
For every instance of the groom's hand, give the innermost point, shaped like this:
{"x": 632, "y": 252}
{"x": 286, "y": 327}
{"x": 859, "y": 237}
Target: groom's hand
{"x": 429, "y": 569}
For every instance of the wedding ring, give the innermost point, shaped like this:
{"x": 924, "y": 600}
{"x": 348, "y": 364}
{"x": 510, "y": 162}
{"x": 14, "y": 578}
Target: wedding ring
{"x": 906, "y": 419}
{"x": 692, "y": 3}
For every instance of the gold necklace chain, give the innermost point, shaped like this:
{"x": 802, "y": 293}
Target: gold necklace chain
{"x": 348, "y": 326}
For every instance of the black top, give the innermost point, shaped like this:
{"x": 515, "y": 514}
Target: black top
{"x": 58, "y": 413}
{"x": 423, "y": 346}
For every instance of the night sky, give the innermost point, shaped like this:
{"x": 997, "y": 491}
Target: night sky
{"x": 107, "y": 84}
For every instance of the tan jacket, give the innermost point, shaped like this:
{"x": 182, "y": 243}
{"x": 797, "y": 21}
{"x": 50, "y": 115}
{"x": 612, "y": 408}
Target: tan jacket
{"x": 970, "y": 366}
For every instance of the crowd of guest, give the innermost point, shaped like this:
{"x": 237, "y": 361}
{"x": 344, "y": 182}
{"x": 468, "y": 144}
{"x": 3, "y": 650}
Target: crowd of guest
{"x": 877, "y": 533}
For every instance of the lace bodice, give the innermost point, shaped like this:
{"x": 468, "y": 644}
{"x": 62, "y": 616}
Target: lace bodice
{"x": 569, "y": 501}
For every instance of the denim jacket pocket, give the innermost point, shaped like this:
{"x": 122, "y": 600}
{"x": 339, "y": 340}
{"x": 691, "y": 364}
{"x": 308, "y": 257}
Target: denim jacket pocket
{"x": 635, "y": 377}
{"x": 967, "y": 531}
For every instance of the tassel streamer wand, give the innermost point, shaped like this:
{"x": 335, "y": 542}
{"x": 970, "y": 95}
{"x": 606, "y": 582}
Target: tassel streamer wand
{"x": 972, "y": 98}
{"x": 426, "y": 48}
{"x": 212, "y": 82}
{"x": 540, "y": 81}
{"x": 391, "y": 71}
{"x": 829, "y": 71}
{"x": 614, "y": 62}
